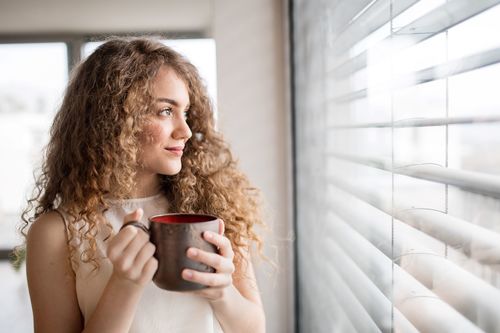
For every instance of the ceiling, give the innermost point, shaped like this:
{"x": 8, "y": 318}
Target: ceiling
{"x": 32, "y": 17}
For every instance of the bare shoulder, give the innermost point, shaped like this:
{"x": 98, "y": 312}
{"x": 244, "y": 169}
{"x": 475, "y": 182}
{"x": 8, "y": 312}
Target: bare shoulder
{"x": 51, "y": 281}
{"x": 46, "y": 241}
{"x": 48, "y": 227}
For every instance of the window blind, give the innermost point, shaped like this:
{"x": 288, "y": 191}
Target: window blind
{"x": 397, "y": 154}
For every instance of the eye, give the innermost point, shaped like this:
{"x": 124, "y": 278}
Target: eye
{"x": 185, "y": 115}
{"x": 165, "y": 112}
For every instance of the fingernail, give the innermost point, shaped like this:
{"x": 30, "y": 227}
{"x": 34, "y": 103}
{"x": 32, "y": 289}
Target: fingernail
{"x": 208, "y": 234}
{"x": 188, "y": 274}
{"x": 193, "y": 252}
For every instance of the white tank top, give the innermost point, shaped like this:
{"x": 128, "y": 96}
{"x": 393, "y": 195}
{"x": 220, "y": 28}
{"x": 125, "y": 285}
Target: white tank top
{"x": 158, "y": 310}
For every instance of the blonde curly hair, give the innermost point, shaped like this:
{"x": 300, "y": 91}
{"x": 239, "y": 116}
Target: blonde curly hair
{"x": 95, "y": 143}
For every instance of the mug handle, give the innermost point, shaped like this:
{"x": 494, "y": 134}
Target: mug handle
{"x": 136, "y": 224}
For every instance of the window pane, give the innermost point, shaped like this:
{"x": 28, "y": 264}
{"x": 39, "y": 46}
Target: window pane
{"x": 32, "y": 79}
{"x": 15, "y": 316}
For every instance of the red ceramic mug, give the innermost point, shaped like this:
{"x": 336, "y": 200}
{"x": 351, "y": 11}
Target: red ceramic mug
{"x": 173, "y": 234}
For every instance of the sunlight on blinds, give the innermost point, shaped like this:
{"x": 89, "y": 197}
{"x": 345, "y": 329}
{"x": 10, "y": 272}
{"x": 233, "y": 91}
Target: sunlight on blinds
{"x": 397, "y": 115}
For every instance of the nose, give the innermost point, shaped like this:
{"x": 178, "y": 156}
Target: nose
{"x": 182, "y": 130}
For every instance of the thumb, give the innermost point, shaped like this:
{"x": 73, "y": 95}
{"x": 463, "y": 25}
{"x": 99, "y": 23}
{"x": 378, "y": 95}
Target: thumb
{"x": 221, "y": 227}
{"x": 136, "y": 215}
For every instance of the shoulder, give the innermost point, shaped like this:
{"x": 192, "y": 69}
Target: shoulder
{"x": 47, "y": 241}
{"x": 48, "y": 227}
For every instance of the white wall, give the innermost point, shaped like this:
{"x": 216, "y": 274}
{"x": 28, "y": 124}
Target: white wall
{"x": 253, "y": 115}
{"x": 252, "y": 95}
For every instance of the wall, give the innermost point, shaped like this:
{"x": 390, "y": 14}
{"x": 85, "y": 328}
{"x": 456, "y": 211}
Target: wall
{"x": 251, "y": 62}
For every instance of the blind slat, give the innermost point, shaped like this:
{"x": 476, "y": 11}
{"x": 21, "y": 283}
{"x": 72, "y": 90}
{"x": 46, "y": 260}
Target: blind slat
{"x": 438, "y": 72}
{"x": 444, "y": 17}
{"x": 476, "y": 182}
{"x": 326, "y": 312}
{"x": 378, "y": 14}
{"x": 358, "y": 315}
{"x": 374, "y": 302}
{"x": 343, "y": 13}
{"x": 450, "y": 230}
{"x": 422, "y": 122}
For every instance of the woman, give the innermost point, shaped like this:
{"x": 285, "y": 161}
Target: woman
{"x": 135, "y": 137}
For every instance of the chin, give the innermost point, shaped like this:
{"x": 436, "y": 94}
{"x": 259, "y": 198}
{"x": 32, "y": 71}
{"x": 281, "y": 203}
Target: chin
{"x": 171, "y": 171}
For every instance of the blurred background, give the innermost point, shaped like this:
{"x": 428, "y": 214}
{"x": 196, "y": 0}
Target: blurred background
{"x": 371, "y": 126}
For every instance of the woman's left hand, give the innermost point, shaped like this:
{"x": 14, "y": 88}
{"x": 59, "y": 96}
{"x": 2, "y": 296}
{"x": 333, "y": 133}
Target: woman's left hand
{"x": 218, "y": 282}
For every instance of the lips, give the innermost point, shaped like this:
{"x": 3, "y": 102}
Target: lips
{"x": 177, "y": 150}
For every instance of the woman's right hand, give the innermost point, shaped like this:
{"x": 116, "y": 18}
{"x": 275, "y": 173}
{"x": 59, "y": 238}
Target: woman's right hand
{"x": 131, "y": 254}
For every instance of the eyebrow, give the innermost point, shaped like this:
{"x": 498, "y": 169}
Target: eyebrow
{"x": 171, "y": 101}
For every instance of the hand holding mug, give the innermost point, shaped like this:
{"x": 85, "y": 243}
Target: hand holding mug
{"x": 222, "y": 262}
{"x": 131, "y": 254}
{"x": 173, "y": 234}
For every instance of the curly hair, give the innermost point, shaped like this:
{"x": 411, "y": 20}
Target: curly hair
{"x": 95, "y": 143}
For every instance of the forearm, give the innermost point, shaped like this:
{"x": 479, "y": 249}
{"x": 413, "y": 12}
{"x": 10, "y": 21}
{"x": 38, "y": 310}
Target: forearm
{"x": 116, "y": 308}
{"x": 235, "y": 313}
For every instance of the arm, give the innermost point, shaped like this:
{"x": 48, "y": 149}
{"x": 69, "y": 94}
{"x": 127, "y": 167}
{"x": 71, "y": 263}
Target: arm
{"x": 240, "y": 308}
{"x": 51, "y": 281}
{"x": 55, "y": 305}
{"x": 236, "y": 304}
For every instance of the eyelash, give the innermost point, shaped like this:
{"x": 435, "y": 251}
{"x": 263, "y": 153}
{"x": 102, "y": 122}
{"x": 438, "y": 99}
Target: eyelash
{"x": 170, "y": 111}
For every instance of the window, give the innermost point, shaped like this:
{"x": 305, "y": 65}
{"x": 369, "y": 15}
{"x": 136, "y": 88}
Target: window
{"x": 33, "y": 77}
{"x": 397, "y": 115}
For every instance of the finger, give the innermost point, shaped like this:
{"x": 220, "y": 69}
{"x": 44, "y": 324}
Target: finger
{"x": 207, "y": 279}
{"x": 222, "y": 227}
{"x": 221, "y": 242}
{"x": 144, "y": 255}
{"x": 150, "y": 268}
{"x": 136, "y": 215}
{"x": 210, "y": 293}
{"x": 120, "y": 241}
{"x": 135, "y": 224}
{"x": 132, "y": 250}
{"x": 214, "y": 260}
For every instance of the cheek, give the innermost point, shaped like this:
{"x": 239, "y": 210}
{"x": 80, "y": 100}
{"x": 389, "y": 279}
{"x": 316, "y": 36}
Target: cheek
{"x": 152, "y": 134}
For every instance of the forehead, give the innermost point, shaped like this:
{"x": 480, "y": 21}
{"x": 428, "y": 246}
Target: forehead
{"x": 167, "y": 84}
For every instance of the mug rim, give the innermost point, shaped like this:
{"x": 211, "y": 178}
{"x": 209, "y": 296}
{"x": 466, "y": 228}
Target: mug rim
{"x": 213, "y": 218}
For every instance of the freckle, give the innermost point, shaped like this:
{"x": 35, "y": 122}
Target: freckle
{"x": 151, "y": 132}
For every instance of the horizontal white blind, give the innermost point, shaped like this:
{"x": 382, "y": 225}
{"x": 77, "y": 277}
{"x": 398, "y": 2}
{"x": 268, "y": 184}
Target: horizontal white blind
{"x": 397, "y": 122}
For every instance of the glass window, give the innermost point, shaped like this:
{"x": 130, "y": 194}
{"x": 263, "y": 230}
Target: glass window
{"x": 32, "y": 79}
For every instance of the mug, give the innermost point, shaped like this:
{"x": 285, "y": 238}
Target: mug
{"x": 173, "y": 234}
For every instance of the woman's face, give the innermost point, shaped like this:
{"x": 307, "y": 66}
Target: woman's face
{"x": 167, "y": 131}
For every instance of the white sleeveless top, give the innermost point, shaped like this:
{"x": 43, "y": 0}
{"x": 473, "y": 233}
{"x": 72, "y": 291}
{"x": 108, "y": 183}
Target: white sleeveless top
{"x": 158, "y": 310}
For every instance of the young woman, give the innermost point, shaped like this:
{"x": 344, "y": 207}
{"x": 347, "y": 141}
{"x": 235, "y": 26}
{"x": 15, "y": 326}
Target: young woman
{"x": 135, "y": 137}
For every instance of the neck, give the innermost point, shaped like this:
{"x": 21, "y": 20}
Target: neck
{"x": 147, "y": 185}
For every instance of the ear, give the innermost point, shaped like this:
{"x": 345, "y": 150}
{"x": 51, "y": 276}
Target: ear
{"x": 221, "y": 227}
